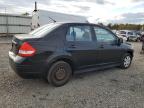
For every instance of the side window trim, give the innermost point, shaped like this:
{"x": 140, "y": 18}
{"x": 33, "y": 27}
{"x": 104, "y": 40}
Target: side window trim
{"x": 93, "y": 33}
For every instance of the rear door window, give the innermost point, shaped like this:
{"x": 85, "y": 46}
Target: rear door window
{"x": 79, "y": 33}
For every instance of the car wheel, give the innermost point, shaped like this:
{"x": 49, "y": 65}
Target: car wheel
{"x": 136, "y": 40}
{"x": 59, "y": 73}
{"x": 126, "y": 61}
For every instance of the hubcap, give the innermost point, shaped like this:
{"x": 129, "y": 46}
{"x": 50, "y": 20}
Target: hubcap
{"x": 127, "y": 61}
{"x": 60, "y": 73}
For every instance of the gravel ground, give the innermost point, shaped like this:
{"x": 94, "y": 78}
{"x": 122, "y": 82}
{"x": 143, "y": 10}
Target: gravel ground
{"x": 112, "y": 88}
{"x": 5, "y": 39}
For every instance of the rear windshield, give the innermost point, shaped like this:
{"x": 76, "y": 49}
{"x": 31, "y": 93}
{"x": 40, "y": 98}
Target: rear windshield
{"x": 43, "y": 30}
{"x": 122, "y": 32}
{"x": 130, "y": 33}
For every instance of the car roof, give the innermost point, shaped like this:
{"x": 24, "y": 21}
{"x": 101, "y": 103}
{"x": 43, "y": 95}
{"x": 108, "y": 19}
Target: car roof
{"x": 79, "y": 23}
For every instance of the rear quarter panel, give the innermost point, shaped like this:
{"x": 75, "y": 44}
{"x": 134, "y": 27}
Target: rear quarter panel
{"x": 50, "y": 48}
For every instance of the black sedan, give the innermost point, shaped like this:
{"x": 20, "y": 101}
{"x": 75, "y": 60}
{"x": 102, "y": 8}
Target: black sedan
{"x": 57, "y": 51}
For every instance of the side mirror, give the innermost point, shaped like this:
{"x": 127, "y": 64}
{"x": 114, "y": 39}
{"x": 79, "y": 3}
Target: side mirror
{"x": 120, "y": 41}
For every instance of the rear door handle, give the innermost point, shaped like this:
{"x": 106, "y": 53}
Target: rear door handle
{"x": 72, "y": 46}
{"x": 101, "y": 46}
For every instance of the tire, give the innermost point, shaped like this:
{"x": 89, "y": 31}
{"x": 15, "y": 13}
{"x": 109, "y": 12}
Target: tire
{"x": 126, "y": 61}
{"x": 136, "y": 40}
{"x": 59, "y": 73}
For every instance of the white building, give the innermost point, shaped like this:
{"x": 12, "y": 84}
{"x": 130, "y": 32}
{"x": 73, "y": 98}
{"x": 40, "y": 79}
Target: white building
{"x": 19, "y": 24}
{"x": 41, "y": 17}
{"x": 14, "y": 24}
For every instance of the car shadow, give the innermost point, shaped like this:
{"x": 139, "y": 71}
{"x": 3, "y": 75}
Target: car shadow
{"x": 93, "y": 73}
{"x": 14, "y": 81}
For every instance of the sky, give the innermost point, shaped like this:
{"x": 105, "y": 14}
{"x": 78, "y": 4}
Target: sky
{"x": 106, "y": 11}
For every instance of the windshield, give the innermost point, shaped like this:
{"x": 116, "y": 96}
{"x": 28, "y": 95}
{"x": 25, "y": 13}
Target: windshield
{"x": 43, "y": 30}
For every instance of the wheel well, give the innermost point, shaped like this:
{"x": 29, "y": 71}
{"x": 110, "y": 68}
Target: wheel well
{"x": 131, "y": 53}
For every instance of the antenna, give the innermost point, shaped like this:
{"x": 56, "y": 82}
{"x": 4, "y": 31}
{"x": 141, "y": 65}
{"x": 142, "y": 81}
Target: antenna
{"x": 35, "y": 6}
{"x": 52, "y": 19}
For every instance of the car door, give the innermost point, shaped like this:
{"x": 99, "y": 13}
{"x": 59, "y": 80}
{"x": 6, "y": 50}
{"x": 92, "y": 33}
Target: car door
{"x": 109, "y": 50}
{"x": 80, "y": 44}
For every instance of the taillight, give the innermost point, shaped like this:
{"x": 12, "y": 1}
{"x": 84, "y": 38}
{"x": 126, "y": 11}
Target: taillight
{"x": 26, "y": 50}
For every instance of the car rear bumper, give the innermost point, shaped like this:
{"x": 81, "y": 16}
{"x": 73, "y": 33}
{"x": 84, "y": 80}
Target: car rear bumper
{"x": 132, "y": 39}
{"x": 25, "y": 70}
